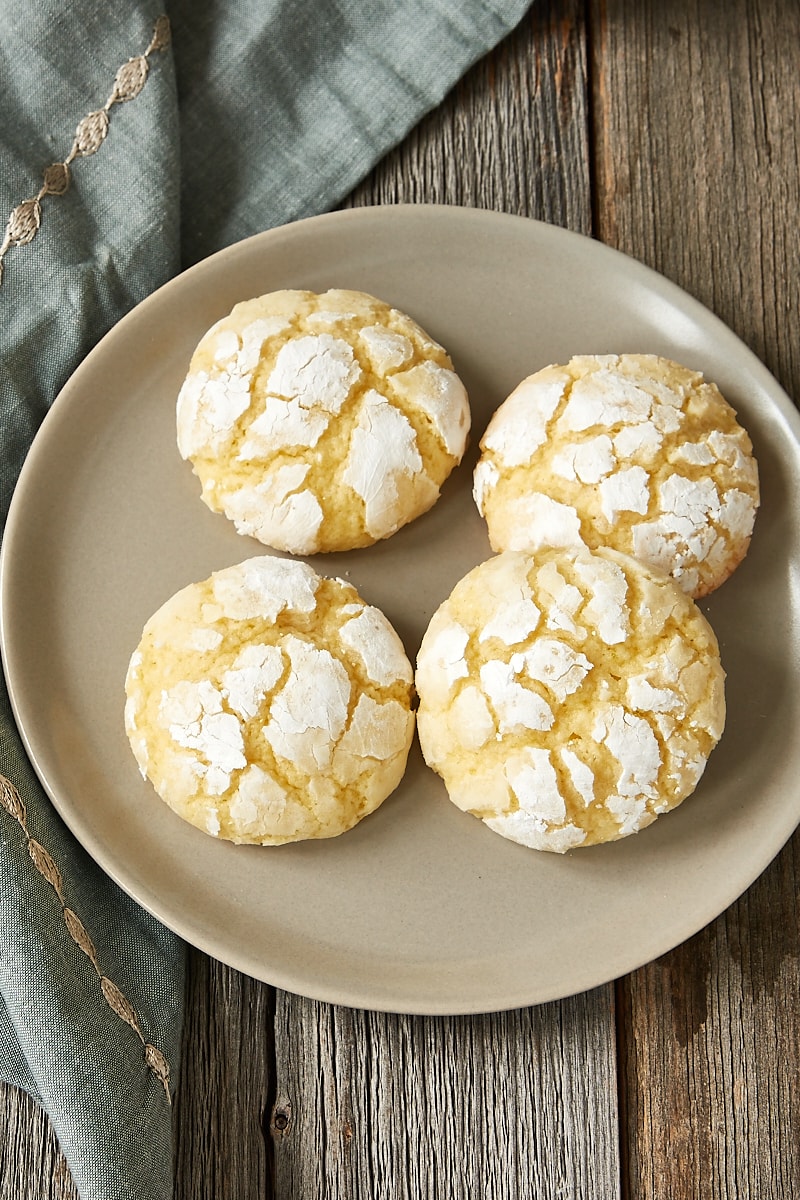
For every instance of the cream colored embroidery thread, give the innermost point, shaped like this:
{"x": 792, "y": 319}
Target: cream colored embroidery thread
{"x": 25, "y": 220}
{"x": 12, "y": 802}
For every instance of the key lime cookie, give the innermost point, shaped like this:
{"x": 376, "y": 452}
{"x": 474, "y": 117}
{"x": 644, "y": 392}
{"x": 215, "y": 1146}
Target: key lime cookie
{"x": 568, "y": 697}
{"x": 268, "y": 704}
{"x": 631, "y": 451}
{"x": 320, "y": 422}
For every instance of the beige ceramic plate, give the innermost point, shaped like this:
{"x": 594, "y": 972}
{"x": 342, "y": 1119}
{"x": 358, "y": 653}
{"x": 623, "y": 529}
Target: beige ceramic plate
{"x": 420, "y": 908}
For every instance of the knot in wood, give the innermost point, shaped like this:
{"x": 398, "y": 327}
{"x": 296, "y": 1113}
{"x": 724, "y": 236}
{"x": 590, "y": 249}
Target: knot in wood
{"x": 281, "y": 1118}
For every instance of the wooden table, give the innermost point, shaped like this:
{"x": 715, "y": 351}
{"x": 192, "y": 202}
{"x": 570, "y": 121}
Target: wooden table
{"x": 668, "y": 129}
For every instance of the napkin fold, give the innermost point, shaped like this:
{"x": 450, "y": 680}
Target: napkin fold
{"x": 135, "y": 139}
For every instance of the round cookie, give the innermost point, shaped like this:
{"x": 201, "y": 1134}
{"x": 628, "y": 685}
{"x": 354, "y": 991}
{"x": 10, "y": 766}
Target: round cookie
{"x": 268, "y": 704}
{"x": 632, "y": 451}
{"x": 320, "y": 422}
{"x": 568, "y": 697}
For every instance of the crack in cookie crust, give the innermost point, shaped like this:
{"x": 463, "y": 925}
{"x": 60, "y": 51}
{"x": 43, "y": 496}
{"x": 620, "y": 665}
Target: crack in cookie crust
{"x": 631, "y": 451}
{"x": 269, "y": 704}
{"x": 321, "y": 422}
{"x": 568, "y": 697}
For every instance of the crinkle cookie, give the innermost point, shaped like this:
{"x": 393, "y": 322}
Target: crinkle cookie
{"x": 630, "y": 451}
{"x": 268, "y": 704}
{"x": 568, "y": 697}
{"x": 320, "y": 422}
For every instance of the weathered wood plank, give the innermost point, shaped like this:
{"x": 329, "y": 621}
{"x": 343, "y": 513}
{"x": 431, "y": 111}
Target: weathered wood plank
{"x": 377, "y": 1107}
{"x": 223, "y": 1101}
{"x": 697, "y": 173}
{"x": 711, "y": 1049}
{"x": 32, "y": 1166}
{"x": 371, "y": 1105}
{"x": 697, "y": 160}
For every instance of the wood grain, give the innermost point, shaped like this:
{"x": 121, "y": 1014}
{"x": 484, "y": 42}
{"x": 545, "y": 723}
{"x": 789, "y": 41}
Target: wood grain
{"x": 712, "y": 1029}
{"x": 32, "y": 1166}
{"x": 226, "y": 1083}
{"x": 376, "y": 1107}
{"x": 697, "y": 174}
{"x": 697, "y": 159}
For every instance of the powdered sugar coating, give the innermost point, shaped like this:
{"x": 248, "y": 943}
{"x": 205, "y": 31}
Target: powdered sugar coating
{"x": 320, "y": 422}
{"x": 269, "y": 704}
{"x": 631, "y": 451}
{"x": 585, "y": 721}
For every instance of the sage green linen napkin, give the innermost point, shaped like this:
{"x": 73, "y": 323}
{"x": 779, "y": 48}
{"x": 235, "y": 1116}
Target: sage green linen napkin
{"x": 136, "y": 138}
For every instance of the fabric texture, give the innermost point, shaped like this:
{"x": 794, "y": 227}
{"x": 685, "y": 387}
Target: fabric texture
{"x": 136, "y": 139}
